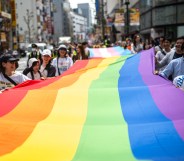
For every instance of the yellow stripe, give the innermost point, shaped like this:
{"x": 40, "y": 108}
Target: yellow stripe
{"x": 57, "y": 137}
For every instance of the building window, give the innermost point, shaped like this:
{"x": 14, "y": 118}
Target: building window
{"x": 164, "y": 15}
{"x": 145, "y": 5}
{"x": 145, "y": 21}
{"x": 163, "y": 2}
{"x": 180, "y": 31}
{"x": 180, "y": 10}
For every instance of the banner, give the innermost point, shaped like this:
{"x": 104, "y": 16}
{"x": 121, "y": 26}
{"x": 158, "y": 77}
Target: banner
{"x": 13, "y": 13}
{"x": 3, "y": 37}
{"x": 97, "y": 6}
{"x": 134, "y": 16}
{"x": 119, "y": 18}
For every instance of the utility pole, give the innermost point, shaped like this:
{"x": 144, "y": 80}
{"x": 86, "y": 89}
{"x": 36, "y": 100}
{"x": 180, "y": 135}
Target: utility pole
{"x": 127, "y": 17}
{"x": 18, "y": 40}
{"x": 103, "y": 20}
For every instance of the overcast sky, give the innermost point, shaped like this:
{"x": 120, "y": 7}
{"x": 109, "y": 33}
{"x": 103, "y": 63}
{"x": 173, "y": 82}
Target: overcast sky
{"x": 73, "y": 3}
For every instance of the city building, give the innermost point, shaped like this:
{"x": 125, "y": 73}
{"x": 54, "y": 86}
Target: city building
{"x": 162, "y": 18}
{"x": 34, "y": 21}
{"x": 121, "y": 18}
{"x": 6, "y": 40}
{"x": 79, "y": 25}
{"x": 26, "y": 21}
{"x": 46, "y": 26}
{"x": 62, "y": 19}
{"x": 86, "y": 12}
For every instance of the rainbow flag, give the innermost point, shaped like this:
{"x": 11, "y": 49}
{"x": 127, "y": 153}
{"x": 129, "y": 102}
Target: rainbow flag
{"x": 101, "y": 109}
{"x": 108, "y": 52}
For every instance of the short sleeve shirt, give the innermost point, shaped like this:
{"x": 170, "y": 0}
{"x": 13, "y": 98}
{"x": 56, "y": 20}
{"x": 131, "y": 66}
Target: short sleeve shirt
{"x": 17, "y": 77}
{"x": 62, "y": 65}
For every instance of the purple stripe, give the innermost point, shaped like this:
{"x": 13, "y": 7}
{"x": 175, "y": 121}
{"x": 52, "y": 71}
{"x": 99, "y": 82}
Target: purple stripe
{"x": 169, "y": 99}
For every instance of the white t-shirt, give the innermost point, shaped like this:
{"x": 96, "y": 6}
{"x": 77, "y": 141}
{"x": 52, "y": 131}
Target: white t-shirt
{"x": 161, "y": 56}
{"x": 63, "y": 64}
{"x": 87, "y": 52}
{"x": 43, "y": 71}
{"x": 36, "y": 76}
{"x": 16, "y": 77}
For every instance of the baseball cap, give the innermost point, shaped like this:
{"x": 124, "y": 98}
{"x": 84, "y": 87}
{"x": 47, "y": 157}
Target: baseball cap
{"x": 62, "y": 47}
{"x": 34, "y": 46}
{"x": 31, "y": 61}
{"x": 6, "y": 58}
{"x": 46, "y": 52}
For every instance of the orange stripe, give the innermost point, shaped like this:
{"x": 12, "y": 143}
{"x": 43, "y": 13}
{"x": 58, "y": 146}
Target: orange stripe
{"x": 16, "y": 126}
{"x": 20, "y": 91}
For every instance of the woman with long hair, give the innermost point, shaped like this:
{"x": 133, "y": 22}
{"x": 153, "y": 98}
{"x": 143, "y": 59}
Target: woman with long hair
{"x": 80, "y": 53}
{"x": 137, "y": 45}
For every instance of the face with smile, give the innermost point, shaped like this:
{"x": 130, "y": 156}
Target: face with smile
{"x": 178, "y": 45}
{"x": 9, "y": 66}
{"x": 62, "y": 53}
{"x": 46, "y": 59}
{"x": 167, "y": 44}
{"x": 36, "y": 67}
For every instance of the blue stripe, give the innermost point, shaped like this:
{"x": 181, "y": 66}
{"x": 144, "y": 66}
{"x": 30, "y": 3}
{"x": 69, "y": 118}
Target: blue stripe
{"x": 122, "y": 51}
{"x": 152, "y": 136}
{"x": 91, "y": 53}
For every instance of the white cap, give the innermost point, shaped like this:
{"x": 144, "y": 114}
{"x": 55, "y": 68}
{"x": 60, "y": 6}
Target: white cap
{"x": 31, "y": 61}
{"x": 46, "y": 52}
{"x": 62, "y": 47}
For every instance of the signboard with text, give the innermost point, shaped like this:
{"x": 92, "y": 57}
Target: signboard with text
{"x": 119, "y": 18}
{"x": 134, "y": 16}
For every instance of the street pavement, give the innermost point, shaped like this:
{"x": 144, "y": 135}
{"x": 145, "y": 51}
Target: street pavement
{"x": 22, "y": 64}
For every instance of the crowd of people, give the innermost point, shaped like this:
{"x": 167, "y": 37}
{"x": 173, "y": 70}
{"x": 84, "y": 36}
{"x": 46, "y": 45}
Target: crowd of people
{"x": 169, "y": 62}
{"x": 41, "y": 65}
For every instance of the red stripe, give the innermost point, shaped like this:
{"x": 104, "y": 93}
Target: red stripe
{"x": 17, "y": 126}
{"x": 18, "y": 93}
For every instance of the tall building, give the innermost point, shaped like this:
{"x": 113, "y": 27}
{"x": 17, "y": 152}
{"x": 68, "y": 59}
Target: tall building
{"x": 46, "y": 21}
{"x": 86, "y": 12}
{"x": 6, "y": 40}
{"x": 34, "y": 21}
{"x": 26, "y": 21}
{"x": 162, "y": 18}
{"x": 62, "y": 19}
{"x": 118, "y": 22}
{"x": 79, "y": 25}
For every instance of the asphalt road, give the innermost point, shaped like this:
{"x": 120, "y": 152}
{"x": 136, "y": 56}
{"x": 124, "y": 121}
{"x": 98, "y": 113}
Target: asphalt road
{"x": 22, "y": 64}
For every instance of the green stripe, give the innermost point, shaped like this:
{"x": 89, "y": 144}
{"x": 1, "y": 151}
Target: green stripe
{"x": 105, "y": 135}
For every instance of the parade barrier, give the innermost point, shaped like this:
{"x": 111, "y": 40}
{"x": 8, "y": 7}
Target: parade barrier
{"x": 101, "y": 109}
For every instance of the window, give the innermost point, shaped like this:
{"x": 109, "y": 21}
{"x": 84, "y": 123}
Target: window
{"x": 163, "y": 2}
{"x": 146, "y": 21}
{"x": 145, "y": 5}
{"x": 180, "y": 31}
{"x": 180, "y": 10}
{"x": 164, "y": 15}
